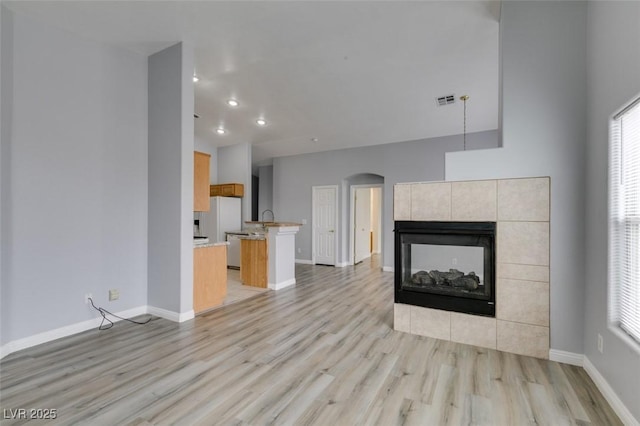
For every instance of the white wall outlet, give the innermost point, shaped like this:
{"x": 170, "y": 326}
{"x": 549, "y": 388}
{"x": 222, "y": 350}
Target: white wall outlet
{"x": 600, "y": 343}
{"x": 299, "y": 250}
{"x": 87, "y": 296}
{"x": 454, "y": 261}
{"x": 304, "y": 221}
{"x": 114, "y": 294}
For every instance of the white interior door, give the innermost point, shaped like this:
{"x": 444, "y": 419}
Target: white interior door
{"x": 362, "y": 224}
{"x": 324, "y": 224}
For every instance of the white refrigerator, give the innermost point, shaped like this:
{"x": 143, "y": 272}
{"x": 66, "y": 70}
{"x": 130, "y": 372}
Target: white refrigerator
{"x": 225, "y": 215}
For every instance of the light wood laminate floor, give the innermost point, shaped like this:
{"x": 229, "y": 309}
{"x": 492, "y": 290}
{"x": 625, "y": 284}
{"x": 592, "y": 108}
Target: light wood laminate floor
{"x": 323, "y": 352}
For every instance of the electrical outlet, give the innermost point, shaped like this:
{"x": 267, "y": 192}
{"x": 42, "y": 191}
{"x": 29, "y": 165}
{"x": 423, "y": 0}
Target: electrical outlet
{"x": 87, "y": 296}
{"x": 299, "y": 250}
{"x": 304, "y": 221}
{"x": 454, "y": 261}
{"x": 600, "y": 343}
{"x": 114, "y": 294}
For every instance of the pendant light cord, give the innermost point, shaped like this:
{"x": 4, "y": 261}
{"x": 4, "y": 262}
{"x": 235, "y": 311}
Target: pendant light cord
{"x": 464, "y": 122}
{"x": 464, "y": 134}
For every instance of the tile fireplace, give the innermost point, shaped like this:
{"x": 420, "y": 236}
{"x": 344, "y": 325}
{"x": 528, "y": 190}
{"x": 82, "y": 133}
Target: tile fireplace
{"x": 444, "y": 234}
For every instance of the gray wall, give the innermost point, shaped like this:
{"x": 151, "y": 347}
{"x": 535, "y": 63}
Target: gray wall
{"x": 6, "y": 99}
{"x": 74, "y": 177}
{"x": 544, "y": 122}
{"x": 234, "y": 166}
{"x": 265, "y": 190}
{"x": 614, "y": 78}
{"x": 171, "y": 145}
{"x": 421, "y": 160}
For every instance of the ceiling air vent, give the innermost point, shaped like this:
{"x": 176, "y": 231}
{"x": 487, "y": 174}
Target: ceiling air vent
{"x": 446, "y": 100}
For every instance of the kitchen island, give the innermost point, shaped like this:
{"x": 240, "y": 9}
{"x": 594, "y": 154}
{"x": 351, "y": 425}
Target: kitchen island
{"x": 279, "y": 250}
{"x": 254, "y": 260}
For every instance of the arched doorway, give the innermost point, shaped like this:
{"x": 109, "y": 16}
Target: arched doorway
{"x": 364, "y": 230}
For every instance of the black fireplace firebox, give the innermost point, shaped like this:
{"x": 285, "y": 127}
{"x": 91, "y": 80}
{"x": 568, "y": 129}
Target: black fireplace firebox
{"x": 446, "y": 265}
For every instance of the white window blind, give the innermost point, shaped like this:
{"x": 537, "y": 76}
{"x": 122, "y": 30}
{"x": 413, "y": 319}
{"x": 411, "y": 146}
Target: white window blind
{"x": 624, "y": 220}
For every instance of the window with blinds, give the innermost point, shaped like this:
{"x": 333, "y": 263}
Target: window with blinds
{"x": 624, "y": 219}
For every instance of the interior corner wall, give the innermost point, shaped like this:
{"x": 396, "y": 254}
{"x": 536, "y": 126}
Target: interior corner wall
{"x": 74, "y": 177}
{"x": 171, "y": 145}
{"x": 543, "y": 47}
{"x": 234, "y": 166}
{"x": 265, "y": 190}
{"x": 613, "y": 68}
{"x": 187, "y": 106}
{"x": 6, "y": 58}
{"x": 411, "y": 161}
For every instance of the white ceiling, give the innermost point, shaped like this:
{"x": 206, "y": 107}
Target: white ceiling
{"x": 348, "y": 73}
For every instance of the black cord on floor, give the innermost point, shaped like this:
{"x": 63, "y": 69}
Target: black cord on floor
{"x": 104, "y": 313}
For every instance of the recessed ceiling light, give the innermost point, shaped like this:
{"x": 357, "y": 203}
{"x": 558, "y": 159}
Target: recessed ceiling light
{"x": 221, "y": 131}
{"x": 233, "y": 103}
{"x": 261, "y": 122}
{"x": 195, "y": 78}
{"x": 314, "y": 140}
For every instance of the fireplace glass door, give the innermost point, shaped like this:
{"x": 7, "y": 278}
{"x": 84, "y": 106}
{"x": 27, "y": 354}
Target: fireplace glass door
{"x": 446, "y": 265}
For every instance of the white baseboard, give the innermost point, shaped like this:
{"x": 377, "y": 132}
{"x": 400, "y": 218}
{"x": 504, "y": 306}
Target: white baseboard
{"x": 387, "y": 268}
{"x": 281, "y": 285}
{"x": 610, "y": 395}
{"x": 48, "y": 336}
{"x": 186, "y": 316}
{"x": 342, "y": 264}
{"x": 171, "y": 315}
{"x": 566, "y": 357}
{"x": 607, "y": 391}
{"x": 304, "y": 261}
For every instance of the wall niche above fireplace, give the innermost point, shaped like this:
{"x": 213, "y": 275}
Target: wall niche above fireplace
{"x": 446, "y": 265}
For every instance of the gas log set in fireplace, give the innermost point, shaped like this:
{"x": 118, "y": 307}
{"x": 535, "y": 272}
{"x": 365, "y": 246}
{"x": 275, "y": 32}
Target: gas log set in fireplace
{"x": 446, "y": 265}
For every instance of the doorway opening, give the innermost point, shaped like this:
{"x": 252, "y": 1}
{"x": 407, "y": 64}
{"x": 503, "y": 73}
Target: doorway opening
{"x": 365, "y": 224}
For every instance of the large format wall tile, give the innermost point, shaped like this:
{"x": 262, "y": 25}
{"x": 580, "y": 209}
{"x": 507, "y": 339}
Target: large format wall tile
{"x": 521, "y": 208}
{"x": 523, "y": 339}
{"x": 402, "y": 202}
{"x": 431, "y": 201}
{"x": 523, "y": 272}
{"x": 523, "y": 301}
{"x": 431, "y": 322}
{"x": 523, "y": 199}
{"x": 473, "y": 330}
{"x": 474, "y": 201}
{"x": 402, "y": 317}
{"x": 523, "y": 242}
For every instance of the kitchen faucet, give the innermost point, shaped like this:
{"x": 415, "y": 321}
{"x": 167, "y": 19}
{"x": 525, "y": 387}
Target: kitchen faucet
{"x": 273, "y": 217}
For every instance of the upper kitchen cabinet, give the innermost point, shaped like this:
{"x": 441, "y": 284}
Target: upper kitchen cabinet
{"x": 201, "y": 162}
{"x": 227, "y": 190}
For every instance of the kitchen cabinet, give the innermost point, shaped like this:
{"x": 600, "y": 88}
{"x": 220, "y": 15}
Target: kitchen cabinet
{"x": 253, "y": 262}
{"x": 227, "y": 190}
{"x": 209, "y": 276}
{"x": 201, "y": 181}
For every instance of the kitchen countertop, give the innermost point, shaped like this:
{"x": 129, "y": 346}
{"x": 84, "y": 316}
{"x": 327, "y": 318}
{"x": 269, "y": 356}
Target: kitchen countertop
{"x": 273, "y": 224}
{"x": 252, "y": 237}
{"x": 215, "y": 244}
